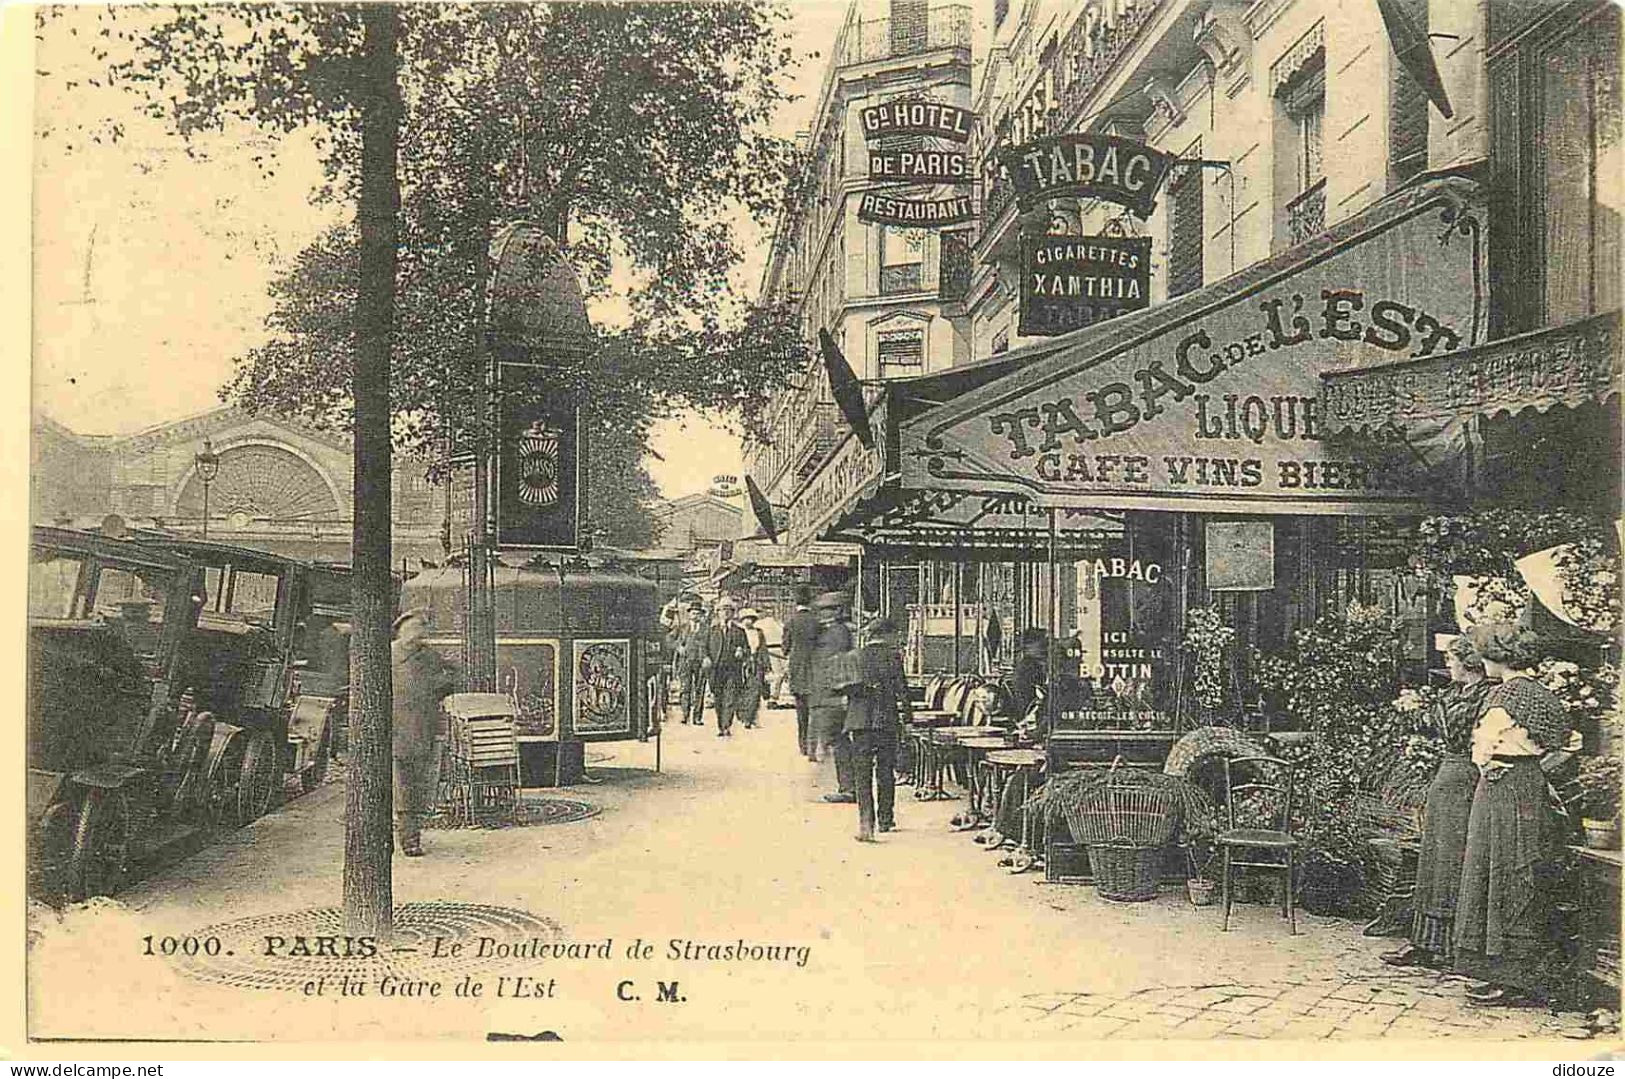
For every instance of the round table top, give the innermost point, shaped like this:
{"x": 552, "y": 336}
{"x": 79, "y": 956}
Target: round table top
{"x": 1020, "y": 758}
{"x": 985, "y": 743}
{"x": 970, "y": 731}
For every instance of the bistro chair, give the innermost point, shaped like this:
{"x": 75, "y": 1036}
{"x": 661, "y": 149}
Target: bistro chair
{"x": 1248, "y": 780}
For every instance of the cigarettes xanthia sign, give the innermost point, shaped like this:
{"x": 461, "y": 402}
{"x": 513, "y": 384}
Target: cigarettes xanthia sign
{"x": 1211, "y": 402}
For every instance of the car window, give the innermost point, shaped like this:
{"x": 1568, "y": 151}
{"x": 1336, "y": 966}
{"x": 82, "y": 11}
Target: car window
{"x": 51, "y": 582}
{"x": 130, "y": 595}
{"x": 253, "y": 596}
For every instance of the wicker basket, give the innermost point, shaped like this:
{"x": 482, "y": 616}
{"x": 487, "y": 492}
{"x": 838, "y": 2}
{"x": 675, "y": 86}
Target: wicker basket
{"x": 1125, "y": 873}
{"x": 1121, "y": 814}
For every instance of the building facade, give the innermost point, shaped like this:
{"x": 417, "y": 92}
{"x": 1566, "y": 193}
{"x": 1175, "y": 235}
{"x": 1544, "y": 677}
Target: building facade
{"x": 1300, "y": 147}
{"x": 887, "y": 296}
{"x": 280, "y": 486}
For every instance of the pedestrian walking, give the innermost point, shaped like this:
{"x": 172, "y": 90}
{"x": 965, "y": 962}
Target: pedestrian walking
{"x": 728, "y": 659}
{"x": 876, "y": 706}
{"x": 831, "y": 662}
{"x": 800, "y": 642}
{"x": 691, "y": 663}
{"x": 421, "y": 680}
{"x": 749, "y": 698}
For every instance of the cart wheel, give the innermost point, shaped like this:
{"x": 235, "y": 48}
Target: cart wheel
{"x": 101, "y": 846}
{"x": 312, "y": 777}
{"x": 184, "y": 770}
{"x": 257, "y": 778}
{"x": 218, "y": 794}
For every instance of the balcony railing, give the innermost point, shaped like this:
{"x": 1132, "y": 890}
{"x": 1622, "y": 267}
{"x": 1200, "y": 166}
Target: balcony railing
{"x": 869, "y": 40}
{"x": 817, "y": 439}
{"x": 1306, "y": 214}
{"x": 1084, "y": 58}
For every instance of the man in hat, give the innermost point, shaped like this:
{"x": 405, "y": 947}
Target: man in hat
{"x": 876, "y": 705}
{"x": 421, "y": 678}
{"x": 728, "y": 656}
{"x": 800, "y": 642}
{"x": 691, "y": 662}
{"x": 828, "y": 703}
{"x": 749, "y": 698}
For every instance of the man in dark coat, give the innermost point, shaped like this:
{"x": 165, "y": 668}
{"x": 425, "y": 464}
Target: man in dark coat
{"x": 876, "y": 706}
{"x": 828, "y": 702}
{"x": 422, "y": 678}
{"x": 691, "y": 662}
{"x": 729, "y": 660}
{"x": 800, "y": 642}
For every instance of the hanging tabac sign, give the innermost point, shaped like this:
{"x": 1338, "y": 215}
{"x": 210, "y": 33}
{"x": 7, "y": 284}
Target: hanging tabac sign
{"x": 876, "y": 208}
{"x": 1068, "y": 282}
{"x": 1092, "y": 166}
{"x": 540, "y": 463}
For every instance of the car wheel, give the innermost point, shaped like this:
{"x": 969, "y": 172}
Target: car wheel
{"x": 258, "y": 777}
{"x": 101, "y": 846}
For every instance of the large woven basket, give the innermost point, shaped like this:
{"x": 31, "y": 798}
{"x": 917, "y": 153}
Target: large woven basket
{"x": 1121, "y": 814}
{"x": 1125, "y": 873}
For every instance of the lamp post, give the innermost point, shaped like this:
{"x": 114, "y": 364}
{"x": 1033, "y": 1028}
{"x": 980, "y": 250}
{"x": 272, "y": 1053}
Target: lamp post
{"x": 208, "y": 467}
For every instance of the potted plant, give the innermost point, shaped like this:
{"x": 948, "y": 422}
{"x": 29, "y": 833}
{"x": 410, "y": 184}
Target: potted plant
{"x": 1599, "y": 780}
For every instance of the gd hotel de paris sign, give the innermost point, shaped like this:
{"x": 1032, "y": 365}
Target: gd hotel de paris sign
{"x": 926, "y": 165}
{"x": 1209, "y": 403}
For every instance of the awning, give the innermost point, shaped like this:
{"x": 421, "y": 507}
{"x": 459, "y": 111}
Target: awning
{"x": 1569, "y": 365}
{"x": 1210, "y": 402}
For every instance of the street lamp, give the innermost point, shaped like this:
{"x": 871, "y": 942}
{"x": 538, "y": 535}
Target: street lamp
{"x": 208, "y": 467}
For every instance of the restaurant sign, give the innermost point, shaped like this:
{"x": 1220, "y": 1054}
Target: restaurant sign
{"x": 879, "y": 209}
{"x": 1211, "y": 402}
{"x": 1069, "y": 282}
{"x": 1088, "y": 165}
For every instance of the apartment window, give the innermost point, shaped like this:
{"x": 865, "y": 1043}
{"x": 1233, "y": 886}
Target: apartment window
{"x": 1408, "y": 107}
{"x": 1185, "y": 191}
{"x": 1300, "y": 87}
{"x": 902, "y": 352}
{"x": 1001, "y": 341}
{"x": 1557, "y": 162}
{"x": 1001, "y": 9}
{"x": 902, "y": 260}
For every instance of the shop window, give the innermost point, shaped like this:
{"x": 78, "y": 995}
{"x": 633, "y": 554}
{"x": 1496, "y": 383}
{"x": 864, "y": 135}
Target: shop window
{"x": 902, "y": 260}
{"x": 1185, "y": 228}
{"x": 901, "y": 352}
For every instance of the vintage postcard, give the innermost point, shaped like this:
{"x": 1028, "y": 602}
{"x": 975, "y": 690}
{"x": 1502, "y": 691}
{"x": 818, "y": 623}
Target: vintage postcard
{"x": 822, "y": 528}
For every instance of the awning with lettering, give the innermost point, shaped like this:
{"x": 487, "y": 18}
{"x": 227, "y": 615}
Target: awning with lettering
{"x": 1432, "y": 406}
{"x": 1211, "y": 402}
{"x": 1567, "y": 366}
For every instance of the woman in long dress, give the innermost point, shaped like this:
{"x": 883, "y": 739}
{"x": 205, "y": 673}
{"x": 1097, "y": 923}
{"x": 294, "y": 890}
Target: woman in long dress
{"x": 1444, "y": 820}
{"x": 1503, "y": 932}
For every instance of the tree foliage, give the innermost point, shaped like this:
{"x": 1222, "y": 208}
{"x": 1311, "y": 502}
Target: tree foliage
{"x": 638, "y": 134}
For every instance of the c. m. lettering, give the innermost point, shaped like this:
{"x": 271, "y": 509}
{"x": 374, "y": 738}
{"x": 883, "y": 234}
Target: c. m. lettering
{"x": 1119, "y": 406}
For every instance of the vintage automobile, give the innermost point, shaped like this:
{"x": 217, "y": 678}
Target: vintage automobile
{"x": 261, "y": 667}
{"x": 116, "y": 748}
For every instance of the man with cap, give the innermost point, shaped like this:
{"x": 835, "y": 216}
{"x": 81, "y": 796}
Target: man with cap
{"x": 800, "y": 642}
{"x": 876, "y": 704}
{"x": 728, "y": 658}
{"x": 828, "y": 703}
{"x": 749, "y": 698}
{"x": 421, "y": 679}
{"x": 691, "y": 662}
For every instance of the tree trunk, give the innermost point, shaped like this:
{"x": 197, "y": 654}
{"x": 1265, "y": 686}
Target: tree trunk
{"x": 368, "y": 843}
